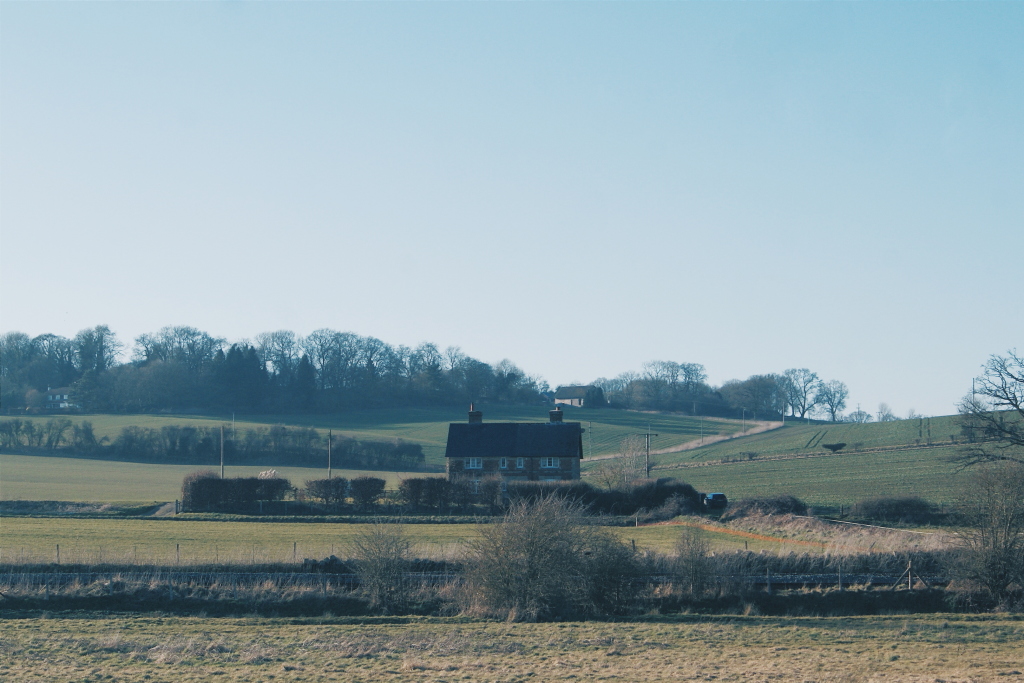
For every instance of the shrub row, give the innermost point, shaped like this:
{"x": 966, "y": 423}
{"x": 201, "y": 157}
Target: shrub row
{"x": 206, "y": 492}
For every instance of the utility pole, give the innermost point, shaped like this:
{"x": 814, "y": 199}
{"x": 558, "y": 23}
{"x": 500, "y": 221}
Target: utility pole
{"x": 647, "y": 458}
{"x": 222, "y": 451}
{"x": 590, "y": 438}
{"x": 329, "y": 438}
{"x": 744, "y": 420}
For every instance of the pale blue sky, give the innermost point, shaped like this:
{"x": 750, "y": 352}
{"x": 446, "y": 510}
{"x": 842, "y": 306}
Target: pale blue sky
{"x": 579, "y": 187}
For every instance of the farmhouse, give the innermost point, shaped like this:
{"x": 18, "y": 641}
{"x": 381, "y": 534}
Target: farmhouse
{"x": 58, "y": 399}
{"x": 577, "y": 396}
{"x": 514, "y": 451}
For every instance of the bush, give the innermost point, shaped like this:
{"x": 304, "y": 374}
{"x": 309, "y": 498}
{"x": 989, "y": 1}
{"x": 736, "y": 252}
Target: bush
{"x": 366, "y": 491}
{"x": 381, "y": 558}
{"x": 775, "y": 505}
{"x": 896, "y": 510}
{"x": 648, "y": 494}
{"x": 330, "y": 492}
{"x": 206, "y": 492}
{"x": 545, "y": 561}
{"x": 195, "y": 495}
{"x": 692, "y": 567}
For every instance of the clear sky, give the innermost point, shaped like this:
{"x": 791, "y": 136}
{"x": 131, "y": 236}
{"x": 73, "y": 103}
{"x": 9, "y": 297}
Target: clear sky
{"x": 578, "y": 187}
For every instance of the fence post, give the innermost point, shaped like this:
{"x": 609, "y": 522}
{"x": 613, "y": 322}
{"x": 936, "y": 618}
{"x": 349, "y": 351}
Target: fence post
{"x": 58, "y": 553}
{"x": 177, "y": 553}
{"x": 294, "y": 548}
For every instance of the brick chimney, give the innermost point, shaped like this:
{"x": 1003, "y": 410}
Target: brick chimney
{"x": 475, "y": 416}
{"x": 555, "y": 415}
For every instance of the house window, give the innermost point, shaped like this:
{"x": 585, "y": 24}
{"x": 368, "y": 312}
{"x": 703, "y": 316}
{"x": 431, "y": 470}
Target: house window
{"x": 549, "y": 462}
{"x": 474, "y": 463}
{"x": 520, "y": 463}
{"x": 474, "y": 486}
{"x": 503, "y": 463}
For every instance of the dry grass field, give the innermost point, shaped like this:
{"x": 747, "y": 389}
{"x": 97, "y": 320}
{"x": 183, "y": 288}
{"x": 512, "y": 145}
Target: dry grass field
{"x": 166, "y": 541}
{"x": 933, "y": 648}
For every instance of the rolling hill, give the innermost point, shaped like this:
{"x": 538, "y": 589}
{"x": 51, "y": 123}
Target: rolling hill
{"x": 879, "y": 459}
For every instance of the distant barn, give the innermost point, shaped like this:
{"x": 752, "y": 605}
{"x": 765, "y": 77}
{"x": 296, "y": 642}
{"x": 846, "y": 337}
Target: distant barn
{"x": 514, "y": 451}
{"x": 580, "y": 396}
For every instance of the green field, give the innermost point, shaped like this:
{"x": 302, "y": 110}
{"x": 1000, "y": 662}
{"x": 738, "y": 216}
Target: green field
{"x": 879, "y": 460}
{"x": 606, "y": 427}
{"x": 901, "y": 648}
{"x": 31, "y": 477}
{"x": 803, "y": 439}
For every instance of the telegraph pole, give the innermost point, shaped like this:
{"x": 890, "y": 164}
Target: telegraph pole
{"x": 329, "y": 453}
{"x": 647, "y": 458}
{"x": 222, "y": 451}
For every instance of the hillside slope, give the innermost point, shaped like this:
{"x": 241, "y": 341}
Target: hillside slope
{"x": 880, "y": 459}
{"x": 605, "y": 427}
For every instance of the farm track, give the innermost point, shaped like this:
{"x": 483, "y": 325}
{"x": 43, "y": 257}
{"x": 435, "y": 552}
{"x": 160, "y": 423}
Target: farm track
{"x": 902, "y": 448}
{"x": 760, "y": 428}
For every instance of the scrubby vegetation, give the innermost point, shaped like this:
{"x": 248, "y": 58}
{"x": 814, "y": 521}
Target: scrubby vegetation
{"x": 898, "y": 510}
{"x": 775, "y": 505}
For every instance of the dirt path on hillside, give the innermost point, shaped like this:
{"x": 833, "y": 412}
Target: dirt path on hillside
{"x": 759, "y": 427}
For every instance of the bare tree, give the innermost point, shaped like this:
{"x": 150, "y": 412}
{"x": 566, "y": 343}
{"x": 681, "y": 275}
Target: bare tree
{"x": 692, "y": 561}
{"x": 992, "y": 536}
{"x": 97, "y": 349}
{"x": 833, "y": 394}
{"x": 546, "y": 559}
{"x": 801, "y": 387}
{"x": 629, "y": 465}
{"x": 381, "y": 556}
{"x": 885, "y": 413}
{"x": 992, "y": 417}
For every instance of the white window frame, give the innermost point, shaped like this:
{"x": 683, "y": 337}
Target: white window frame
{"x": 550, "y": 463}
{"x": 474, "y": 486}
{"x": 520, "y": 463}
{"x": 474, "y": 463}
{"x": 503, "y": 463}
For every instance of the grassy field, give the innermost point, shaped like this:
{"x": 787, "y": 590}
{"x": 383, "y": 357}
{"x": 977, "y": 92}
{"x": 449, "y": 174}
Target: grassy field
{"x": 30, "y": 477}
{"x": 914, "y": 648}
{"x": 606, "y": 428}
{"x": 804, "y": 439}
{"x": 879, "y": 460}
{"x": 831, "y": 481}
{"x": 165, "y": 541}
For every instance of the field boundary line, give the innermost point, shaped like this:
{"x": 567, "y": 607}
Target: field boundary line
{"x": 794, "y": 456}
{"x": 872, "y": 526}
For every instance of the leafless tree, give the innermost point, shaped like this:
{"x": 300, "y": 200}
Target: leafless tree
{"x": 992, "y": 417}
{"x": 692, "y": 563}
{"x": 885, "y": 413}
{"x": 546, "y": 559}
{"x": 833, "y": 395}
{"x": 801, "y": 386}
{"x": 992, "y": 536}
{"x": 381, "y": 554}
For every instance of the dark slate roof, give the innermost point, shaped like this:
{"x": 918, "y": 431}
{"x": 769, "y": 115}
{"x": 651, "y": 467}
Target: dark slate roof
{"x": 514, "y": 440}
{"x": 572, "y": 392}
